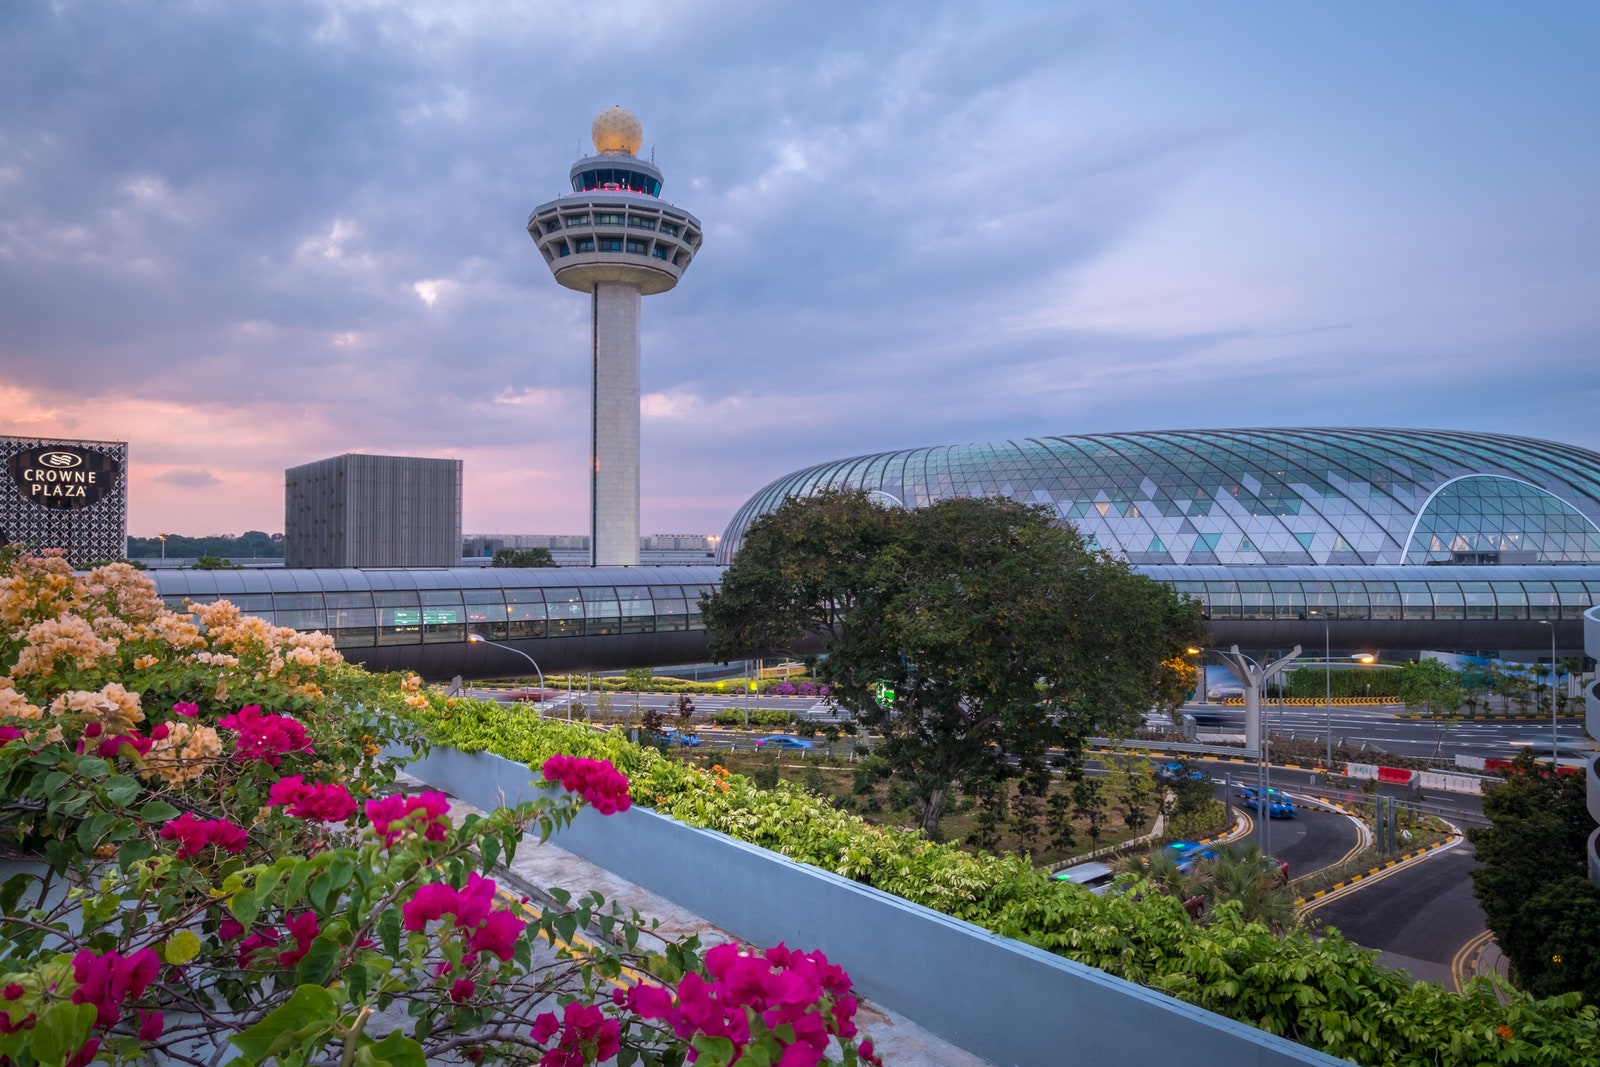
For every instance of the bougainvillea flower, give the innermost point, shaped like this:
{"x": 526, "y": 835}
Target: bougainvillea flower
{"x": 386, "y": 812}
{"x": 597, "y": 781}
{"x": 316, "y": 801}
{"x": 265, "y": 737}
{"x": 187, "y": 710}
{"x": 194, "y": 834}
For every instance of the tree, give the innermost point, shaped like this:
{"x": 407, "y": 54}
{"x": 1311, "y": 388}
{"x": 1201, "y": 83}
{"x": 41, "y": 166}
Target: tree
{"x": 1532, "y": 883}
{"x": 1001, "y": 634}
{"x": 1178, "y": 678}
{"x": 214, "y": 563}
{"x": 1244, "y": 876}
{"x": 1430, "y": 685}
{"x": 522, "y": 557}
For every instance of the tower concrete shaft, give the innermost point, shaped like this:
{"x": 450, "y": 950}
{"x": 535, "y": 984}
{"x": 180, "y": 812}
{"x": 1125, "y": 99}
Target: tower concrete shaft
{"x": 614, "y": 433}
{"x": 614, "y": 238}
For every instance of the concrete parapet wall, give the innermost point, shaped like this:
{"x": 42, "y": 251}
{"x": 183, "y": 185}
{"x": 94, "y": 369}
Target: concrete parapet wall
{"x": 998, "y": 998}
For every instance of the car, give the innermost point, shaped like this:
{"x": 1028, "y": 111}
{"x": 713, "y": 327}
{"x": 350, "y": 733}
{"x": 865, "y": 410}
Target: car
{"x": 1279, "y": 806}
{"x": 1174, "y": 771}
{"x": 784, "y": 741}
{"x": 678, "y": 737}
{"x": 1095, "y": 877}
{"x": 1188, "y": 853}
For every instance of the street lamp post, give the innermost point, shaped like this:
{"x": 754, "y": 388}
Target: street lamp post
{"x": 1555, "y": 737}
{"x": 1327, "y": 683}
{"x": 1253, "y": 675}
{"x": 479, "y": 639}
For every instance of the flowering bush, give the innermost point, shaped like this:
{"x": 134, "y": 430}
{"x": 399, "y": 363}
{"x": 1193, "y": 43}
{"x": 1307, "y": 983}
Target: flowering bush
{"x": 207, "y": 855}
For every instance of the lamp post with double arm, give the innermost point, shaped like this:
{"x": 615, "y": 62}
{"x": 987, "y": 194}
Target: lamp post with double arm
{"x": 1253, "y": 676}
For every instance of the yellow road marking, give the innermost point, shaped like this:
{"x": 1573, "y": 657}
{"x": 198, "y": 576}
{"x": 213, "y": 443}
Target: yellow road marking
{"x": 1458, "y": 964}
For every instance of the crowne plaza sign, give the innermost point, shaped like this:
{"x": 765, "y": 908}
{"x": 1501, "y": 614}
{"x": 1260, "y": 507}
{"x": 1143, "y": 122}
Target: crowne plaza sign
{"x": 64, "y": 477}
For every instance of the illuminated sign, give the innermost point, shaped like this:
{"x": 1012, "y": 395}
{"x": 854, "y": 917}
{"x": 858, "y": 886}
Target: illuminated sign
{"x": 63, "y": 477}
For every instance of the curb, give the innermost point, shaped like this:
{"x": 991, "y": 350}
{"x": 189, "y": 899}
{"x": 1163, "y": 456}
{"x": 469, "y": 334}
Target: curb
{"x": 1354, "y": 879}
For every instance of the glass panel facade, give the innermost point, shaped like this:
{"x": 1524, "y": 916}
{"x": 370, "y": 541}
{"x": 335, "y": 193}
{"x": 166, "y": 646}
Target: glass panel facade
{"x": 566, "y": 612}
{"x": 1274, "y": 497}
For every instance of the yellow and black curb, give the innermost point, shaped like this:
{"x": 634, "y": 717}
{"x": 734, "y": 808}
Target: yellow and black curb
{"x": 1356, "y": 879}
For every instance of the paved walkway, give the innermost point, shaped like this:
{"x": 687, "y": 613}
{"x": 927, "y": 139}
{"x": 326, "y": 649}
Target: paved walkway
{"x": 536, "y": 868}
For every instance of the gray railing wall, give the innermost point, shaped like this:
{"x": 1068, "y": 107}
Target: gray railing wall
{"x": 1004, "y": 1001}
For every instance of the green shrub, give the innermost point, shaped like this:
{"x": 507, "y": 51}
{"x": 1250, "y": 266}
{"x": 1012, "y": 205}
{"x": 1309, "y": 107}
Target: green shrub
{"x": 1323, "y": 992}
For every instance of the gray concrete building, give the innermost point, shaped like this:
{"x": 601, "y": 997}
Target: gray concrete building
{"x": 614, "y": 238}
{"x": 373, "y": 511}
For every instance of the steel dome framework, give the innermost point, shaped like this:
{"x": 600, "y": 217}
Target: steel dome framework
{"x": 1274, "y": 497}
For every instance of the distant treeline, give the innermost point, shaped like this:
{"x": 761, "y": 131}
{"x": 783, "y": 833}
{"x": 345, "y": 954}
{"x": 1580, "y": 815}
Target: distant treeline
{"x": 250, "y": 544}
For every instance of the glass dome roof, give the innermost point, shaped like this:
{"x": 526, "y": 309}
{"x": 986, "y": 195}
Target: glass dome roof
{"x": 1269, "y": 496}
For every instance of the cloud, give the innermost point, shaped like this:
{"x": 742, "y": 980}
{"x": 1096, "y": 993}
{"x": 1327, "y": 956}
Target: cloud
{"x": 247, "y": 236}
{"x": 188, "y": 478}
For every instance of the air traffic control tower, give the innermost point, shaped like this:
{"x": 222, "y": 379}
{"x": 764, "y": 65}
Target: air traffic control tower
{"x": 614, "y": 238}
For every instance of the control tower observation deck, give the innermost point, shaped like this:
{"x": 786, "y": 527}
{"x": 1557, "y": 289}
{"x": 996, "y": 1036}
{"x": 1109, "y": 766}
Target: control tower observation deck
{"x": 614, "y": 238}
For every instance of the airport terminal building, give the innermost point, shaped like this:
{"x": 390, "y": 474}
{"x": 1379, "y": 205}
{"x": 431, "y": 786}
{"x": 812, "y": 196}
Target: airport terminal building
{"x": 1388, "y": 541}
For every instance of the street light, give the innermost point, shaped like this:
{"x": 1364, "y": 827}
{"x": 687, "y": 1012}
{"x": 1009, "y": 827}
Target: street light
{"x": 1327, "y": 683}
{"x": 1555, "y": 739}
{"x": 1254, "y": 675}
{"x": 479, "y": 639}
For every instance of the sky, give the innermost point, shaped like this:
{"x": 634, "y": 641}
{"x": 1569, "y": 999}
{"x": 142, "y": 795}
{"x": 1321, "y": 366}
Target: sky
{"x": 242, "y": 235}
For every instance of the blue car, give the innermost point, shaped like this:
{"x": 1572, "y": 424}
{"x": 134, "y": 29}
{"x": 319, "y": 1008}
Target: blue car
{"x": 1172, "y": 772}
{"x": 1189, "y": 853}
{"x": 1279, "y": 806}
{"x": 784, "y": 741}
{"x": 678, "y": 737}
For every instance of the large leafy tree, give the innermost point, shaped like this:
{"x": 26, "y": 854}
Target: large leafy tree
{"x": 1544, "y": 912}
{"x": 1000, "y": 633}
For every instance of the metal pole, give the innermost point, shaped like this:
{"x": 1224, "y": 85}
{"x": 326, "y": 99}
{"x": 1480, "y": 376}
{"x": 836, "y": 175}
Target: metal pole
{"x": 1555, "y": 737}
{"x": 479, "y": 639}
{"x": 1327, "y": 678}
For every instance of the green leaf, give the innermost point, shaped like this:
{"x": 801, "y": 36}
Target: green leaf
{"x": 491, "y": 852}
{"x": 134, "y": 851}
{"x": 120, "y": 789}
{"x": 61, "y": 1030}
{"x": 181, "y": 947}
{"x": 158, "y": 811}
{"x": 398, "y": 1050}
{"x": 12, "y": 891}
{"x": 244, "y": 906}
{"x": 93, "y": 767}
{"x": 283, "y": 1026}
{"x": 90, "y": 829}
{"x": 389, "y": 931}
{"x": 317, "y": 964}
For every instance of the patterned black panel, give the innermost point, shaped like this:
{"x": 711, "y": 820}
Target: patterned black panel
{"x": 63, "y": 494}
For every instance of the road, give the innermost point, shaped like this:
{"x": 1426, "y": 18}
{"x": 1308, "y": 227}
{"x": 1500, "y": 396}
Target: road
{"x": 1418, "y": 916}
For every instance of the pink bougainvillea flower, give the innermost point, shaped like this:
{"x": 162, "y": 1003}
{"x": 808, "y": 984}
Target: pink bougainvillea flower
{"x": 587, "y": 1036}
{"x": 463, "y": 989}
{"x": 194, "y": 834}
{"x": 429, "y": 902}
{"x": 107, "y": 981}
{"x": 386, "y": 812}
{"x": 9, "y": 733}
{"x": 303, "y": 928}
{"x": 185, "y": 709}
{"x": 498, "y": 935}
{"x": 265, "y": 737}
{"x": 151, "y": 1024}
{"x": 229, "y": 928}
{"x": 85, "y": 1055}
{"x": 597, "y": 781}
{"x": 13, "y": 991}
{"x": 315, "y": 801}
{"x": 544, "y": 1027}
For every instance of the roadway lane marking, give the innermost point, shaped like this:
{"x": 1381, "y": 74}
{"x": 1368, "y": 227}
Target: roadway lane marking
{"x": 1464, "y": 965}
{"x": 1306, "y": 905}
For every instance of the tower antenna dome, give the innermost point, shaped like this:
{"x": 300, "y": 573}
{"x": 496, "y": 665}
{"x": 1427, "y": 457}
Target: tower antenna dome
{"x": 617, "y": 132}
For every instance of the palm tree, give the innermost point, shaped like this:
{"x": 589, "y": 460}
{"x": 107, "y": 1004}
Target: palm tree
{"x": 1252, "y": 880}
{"x": 1162, "y": 869}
